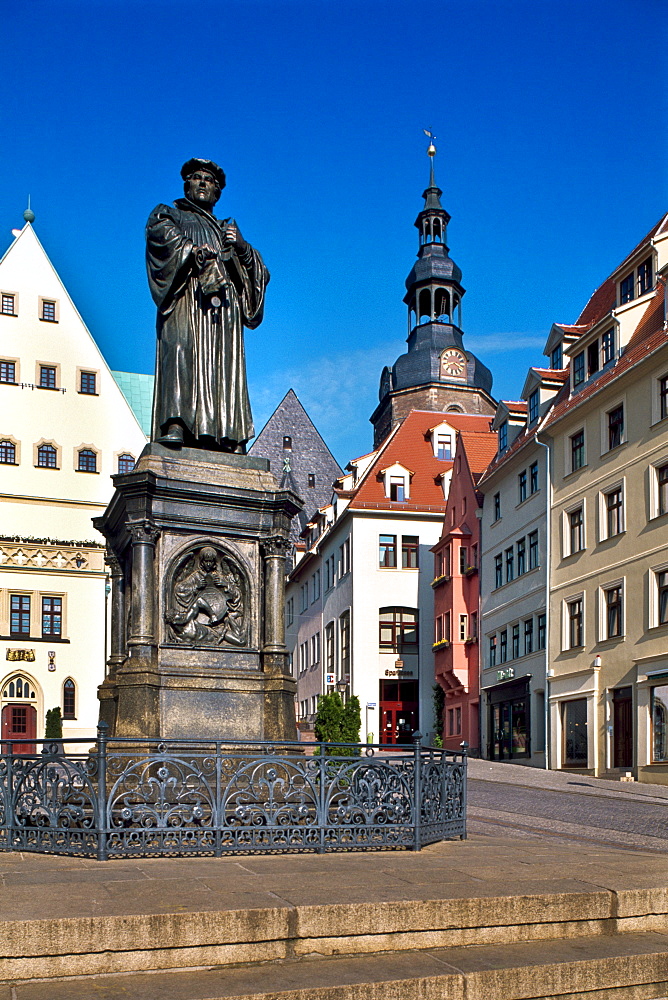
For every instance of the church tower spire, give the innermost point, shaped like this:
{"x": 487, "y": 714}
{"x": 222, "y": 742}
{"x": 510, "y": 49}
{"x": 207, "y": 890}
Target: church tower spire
{"x": 436, "y": 372}
{"x": 433, "y": 287}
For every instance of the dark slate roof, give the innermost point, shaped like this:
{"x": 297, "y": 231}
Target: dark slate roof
{"x": 309, "y": 455}
{"x": 422, "y": 361}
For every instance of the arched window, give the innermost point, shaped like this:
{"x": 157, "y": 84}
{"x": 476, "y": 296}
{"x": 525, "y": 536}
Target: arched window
{"x": 47, "y": 457}
{"x": 7, "y": 453}
{"x": 442, "y": 305}
{"x": 287, "y": 443}
{"x": 18, "y": 688}
{"x": 424, "y": 305}
{"x": 69, "y": 699}
{"x": 398, "y": 630}
{"x": 437, "y": 230}
{"x": 87, "y": 461}
{"x": 126, "y": 463}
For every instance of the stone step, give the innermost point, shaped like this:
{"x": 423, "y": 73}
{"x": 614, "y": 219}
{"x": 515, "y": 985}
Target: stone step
{"x": 618, "y": 967}
{"x": 99, "y": 945}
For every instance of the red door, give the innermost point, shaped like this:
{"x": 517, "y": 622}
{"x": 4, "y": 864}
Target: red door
{"x": 398, "y": 712}
{"x": 19, "y": 722}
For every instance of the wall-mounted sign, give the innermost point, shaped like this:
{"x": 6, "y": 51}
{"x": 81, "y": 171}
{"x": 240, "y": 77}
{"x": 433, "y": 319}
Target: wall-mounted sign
{"x": 398, "y": 673}
{"x": 52, "y": 660}
{"x": 371, "y": 704}
{"x": 329, "y": 678}
{"x": 21, "y": 654}
{"x": 505, "y": 675}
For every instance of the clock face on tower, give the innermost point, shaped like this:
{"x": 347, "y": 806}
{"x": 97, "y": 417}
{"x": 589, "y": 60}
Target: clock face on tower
{"x": 453, "y": 363}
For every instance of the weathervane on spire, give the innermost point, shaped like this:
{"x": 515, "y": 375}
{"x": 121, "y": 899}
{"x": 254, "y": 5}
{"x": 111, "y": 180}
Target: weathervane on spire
{"x": 432, "y": 148}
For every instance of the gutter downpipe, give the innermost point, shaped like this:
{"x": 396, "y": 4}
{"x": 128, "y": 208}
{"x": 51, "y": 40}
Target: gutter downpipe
{"x": 548, "y": 553}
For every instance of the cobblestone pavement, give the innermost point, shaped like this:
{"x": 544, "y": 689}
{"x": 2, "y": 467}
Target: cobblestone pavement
{"x": 562, "y": 807}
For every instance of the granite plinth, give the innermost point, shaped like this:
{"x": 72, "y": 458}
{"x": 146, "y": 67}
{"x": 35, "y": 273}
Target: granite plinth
{"x": 196, "y": 549}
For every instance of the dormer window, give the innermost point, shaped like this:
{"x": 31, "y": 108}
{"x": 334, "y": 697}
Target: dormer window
{"x": 557, "y": 358}
{"x": 534, "y": 406}
{"x": 578, "y": 369}
{"x": 503, "y": 436}
{"x": 397, "y": 488}
{"x": 592, "y": 358}
{"x": 626, "y": 289}
{"x": 444, "y": 446}
{"x": 397, "y": 483}
{"x": 637, "y": 283}
{"x": 645, "y": 276}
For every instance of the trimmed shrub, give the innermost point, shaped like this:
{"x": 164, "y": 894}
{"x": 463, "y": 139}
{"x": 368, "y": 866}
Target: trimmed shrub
{"x": 54, "y": 724}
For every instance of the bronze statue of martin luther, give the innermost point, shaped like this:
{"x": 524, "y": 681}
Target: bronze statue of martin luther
{"x": 207, "y": 283}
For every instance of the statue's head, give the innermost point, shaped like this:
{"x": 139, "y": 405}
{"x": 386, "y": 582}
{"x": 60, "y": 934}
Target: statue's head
{"x": 207, "y": 559}
{"x": 203, "y": 181}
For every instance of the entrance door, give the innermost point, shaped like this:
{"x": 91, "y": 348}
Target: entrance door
{"x": 509, "y": 724}
{"x": 622, "y": 727}
{"x": 19, "y": 722}
{"x": 398, "y": 712}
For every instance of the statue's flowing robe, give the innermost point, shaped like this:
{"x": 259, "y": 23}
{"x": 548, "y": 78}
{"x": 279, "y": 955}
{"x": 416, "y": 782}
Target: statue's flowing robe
{"x": 201, "y": 365}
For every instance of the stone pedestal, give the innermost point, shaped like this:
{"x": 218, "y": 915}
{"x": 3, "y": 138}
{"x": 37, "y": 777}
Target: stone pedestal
{"x": 196, "y": 550}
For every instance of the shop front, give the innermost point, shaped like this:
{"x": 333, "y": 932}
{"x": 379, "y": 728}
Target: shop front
{"x": 509, "y": 719}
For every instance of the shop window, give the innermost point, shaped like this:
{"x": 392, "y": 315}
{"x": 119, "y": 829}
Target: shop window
{"x": 574, "y": 729}
{"x": 659, "y": 711}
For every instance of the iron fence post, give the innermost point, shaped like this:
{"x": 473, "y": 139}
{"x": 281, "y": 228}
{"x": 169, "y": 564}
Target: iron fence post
{"x": 220, "y": 811}
{"x": 102, "y": 731}
{"x": 465, "y": 758}
{"x": 322, "y": 798}
{"x": 417, "y": 790}
{"x": 9, "y": 799}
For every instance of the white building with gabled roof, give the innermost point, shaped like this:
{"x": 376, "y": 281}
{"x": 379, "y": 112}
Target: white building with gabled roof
{"x": 65, "y": 429}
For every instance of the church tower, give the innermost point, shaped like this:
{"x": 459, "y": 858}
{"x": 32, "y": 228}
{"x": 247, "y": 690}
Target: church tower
{"x": 436, "y": 372}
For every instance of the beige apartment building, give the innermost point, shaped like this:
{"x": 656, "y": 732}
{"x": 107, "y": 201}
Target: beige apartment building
{"x": 608, "y": 437}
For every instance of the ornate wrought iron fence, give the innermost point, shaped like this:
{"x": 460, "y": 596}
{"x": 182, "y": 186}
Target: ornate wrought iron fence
{"x": 143, "y": 798}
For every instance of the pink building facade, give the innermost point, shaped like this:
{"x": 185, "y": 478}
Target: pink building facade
{"x": 457, "y": 594}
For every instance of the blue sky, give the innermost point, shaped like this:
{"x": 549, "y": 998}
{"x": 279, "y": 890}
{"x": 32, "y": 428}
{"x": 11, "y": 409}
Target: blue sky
{"x": 551, "y": 122}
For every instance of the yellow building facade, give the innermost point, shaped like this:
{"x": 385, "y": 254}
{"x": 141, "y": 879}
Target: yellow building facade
{"x": 608, "y": 437}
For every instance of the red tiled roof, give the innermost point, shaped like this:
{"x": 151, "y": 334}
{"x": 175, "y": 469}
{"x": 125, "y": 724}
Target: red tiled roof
{"x": 554, "y": 374}
{"x": 410, "y": 447}
{"x": 649, "y": 335}
{"x": 604, "y": 298}
{"x": 515, "y": 405}
{"x": 480, "y": 450}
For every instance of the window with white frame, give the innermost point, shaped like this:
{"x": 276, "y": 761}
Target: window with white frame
{"x": 463, "y": 627}
{"x": 329, "y": 648}
{"x": 612, "y": 610}
{"x": 444, "y": 446}
{"x": 398, "y": 488}
{"x": 533, "y": 549}
{"x": 533, "y": 478}
{"x": 315, "y": 648}
{"x": 315, "y": 586}
{"x": 574, "y": 622}
{"x": 577, "y": 451}
{"x": 659, "y": 596}
{"x": 659, "y": 715}
{"x": 614, "y": 427}
{"x": 574, "y": 530}
{"x": 658, "y": 488}
{"x": 612, "y": 511}
{"x": 522, "y": 486}
{"x": 397, "y": 483}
